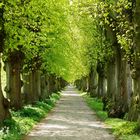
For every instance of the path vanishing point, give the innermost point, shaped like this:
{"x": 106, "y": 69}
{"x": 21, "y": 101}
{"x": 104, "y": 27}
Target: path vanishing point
{"x": 71, "y": 119}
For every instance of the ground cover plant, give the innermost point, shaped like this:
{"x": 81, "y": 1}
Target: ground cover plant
{"x": 121, "y": 128}
{"x": 22, "y": 121}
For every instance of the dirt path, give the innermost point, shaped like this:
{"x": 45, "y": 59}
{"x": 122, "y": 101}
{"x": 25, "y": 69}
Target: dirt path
{"x": 71, "y": 119}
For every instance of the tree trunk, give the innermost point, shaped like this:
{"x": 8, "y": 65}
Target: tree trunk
{"x": 58, "y": 88}
{"x": 124, "y": 93}
{"x": 101, "y": 79}
{"x": 78, "y": 84}
{"x": 50, "y": 79}
{"x": 32, "y": 86}
{"x": 93, "y": 83}
{"x": 14, "y": 84}
{"x": 121, "y": 77}
{"x": 4, "y": 103}
{"x": 120, "y": 98}
{"x": 37, "y": 86}
{"x": 129, "y": 84}
{"x": 59, "y": 84}
{"x": 51, "y": 84}
{"x": 47, "y": 83}
{"x": 43, "y": 88}
{"x": 84, "y": 83}
{"x": 55, "y": 86}
{"x": 109, "y": 98}
{"x": 26, "y": 87}
{"x": 111, "y": 80}
{"x": 101, "y": 86}
{"x": 134, "y": 114}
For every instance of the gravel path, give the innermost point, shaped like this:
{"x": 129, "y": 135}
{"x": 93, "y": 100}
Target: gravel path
{"x": 71, "y": 119}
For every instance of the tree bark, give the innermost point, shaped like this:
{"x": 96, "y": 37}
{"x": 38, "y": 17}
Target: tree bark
{"x": 101, "y": 86}
{"x": 32, "y": 86}
{"x": 101, "y": 79}
{"x": 133, "y": 114}
{"x": 43, "y": 88}
{"x": 4, "y": 103}
{"x": 37, "y": 86}
{"x": 120, "y": 96}
{"x": 26, "y": 87}
{"x": 84, "y": 83}
{"x": 111, "y": 80}
{"x": 14, "y": 84}
{"x": 47, "y": 83}
{"x": 93, "y": 83}
{"x": 51, "y": 84}
{"x": 129, "y": 84}
{"x": 123, "y": 87}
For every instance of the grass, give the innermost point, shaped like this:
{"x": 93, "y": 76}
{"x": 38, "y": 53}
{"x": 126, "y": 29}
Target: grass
{"x": 122, "y": 129}
{"x": 23, "y": 120}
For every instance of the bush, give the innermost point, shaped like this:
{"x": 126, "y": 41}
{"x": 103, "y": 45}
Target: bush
{"x": 42, "y": 105}
{"x": 56, "y": 96}
{"x": 127, "y": 128}
{"x": 50, "y": 102}
{"x": 33, "y": 112}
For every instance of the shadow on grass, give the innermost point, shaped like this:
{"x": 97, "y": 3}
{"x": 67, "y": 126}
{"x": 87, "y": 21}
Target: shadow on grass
{"x": 23, "y": 120}
{"x": 122, "y": 129}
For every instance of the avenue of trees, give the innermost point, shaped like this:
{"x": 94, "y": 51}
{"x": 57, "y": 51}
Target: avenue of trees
{"x": 114, "y": 55}
{"x": 94, "y": 43}
{"x": 38, "y": 47}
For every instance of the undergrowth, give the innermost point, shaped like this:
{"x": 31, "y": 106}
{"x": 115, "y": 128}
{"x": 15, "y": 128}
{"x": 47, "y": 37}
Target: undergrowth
{"x": 23, "y": 120}
{"x": 122, "y": 129}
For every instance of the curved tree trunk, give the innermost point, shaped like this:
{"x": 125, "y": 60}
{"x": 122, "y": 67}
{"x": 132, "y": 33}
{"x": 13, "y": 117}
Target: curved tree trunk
{"x": 4, "y": 103}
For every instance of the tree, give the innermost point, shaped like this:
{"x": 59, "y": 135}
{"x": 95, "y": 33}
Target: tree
{"x": 4, "y": 104}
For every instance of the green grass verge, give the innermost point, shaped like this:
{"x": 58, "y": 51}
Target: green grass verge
{"x": 23, "y": 120}
{"x": 122, "y": 129}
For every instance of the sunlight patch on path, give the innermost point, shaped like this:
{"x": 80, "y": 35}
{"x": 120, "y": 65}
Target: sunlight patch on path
{"x": 71, "y": 119}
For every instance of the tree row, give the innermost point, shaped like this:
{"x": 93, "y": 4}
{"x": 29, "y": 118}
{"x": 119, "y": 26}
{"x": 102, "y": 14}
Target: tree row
{"x": 113, "y": 30}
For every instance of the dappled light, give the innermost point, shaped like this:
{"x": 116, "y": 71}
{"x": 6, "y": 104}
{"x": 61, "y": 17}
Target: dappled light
{"x": 71, "y": 119}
